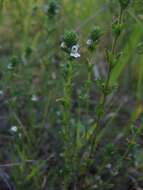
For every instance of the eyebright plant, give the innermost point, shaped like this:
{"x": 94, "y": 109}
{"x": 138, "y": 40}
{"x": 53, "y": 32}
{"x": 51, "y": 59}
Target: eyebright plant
{"x": 59, "y": 110}
{"x": 70, "y": 46}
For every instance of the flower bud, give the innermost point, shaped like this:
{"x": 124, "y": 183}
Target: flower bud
{"x": 51, "y": 9}
{"x": 14, "y": 60}
{"x": 28, "y": 51}
{"x": 95, "y": 34}
{"x": 70, "y": 38}
{"x": 94, "y": 38}
{"x": 117, "y": 28}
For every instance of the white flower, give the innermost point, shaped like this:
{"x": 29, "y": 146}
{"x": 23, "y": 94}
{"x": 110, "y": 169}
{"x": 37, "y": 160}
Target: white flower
{"x": 75, "y": 48}
{"x": 10, "y": 66}
{"x": 75, "y": 55}
{"x": 19, "y": 135}
{"x": 1, "y": 93}
{"x": 14, "y": 129}
{"x": 74, "y": 51}
{"x": 63, "y": 45}
{"x": 34, "y": 98}
{"x": 108, "y": 166}
{"x": 89, "y": 42}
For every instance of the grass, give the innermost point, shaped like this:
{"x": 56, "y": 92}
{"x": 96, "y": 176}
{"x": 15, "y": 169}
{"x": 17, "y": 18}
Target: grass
{"x": 77, "y": 122}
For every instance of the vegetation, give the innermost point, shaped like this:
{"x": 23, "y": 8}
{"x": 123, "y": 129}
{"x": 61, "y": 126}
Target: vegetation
{"x": 71, "y": 93}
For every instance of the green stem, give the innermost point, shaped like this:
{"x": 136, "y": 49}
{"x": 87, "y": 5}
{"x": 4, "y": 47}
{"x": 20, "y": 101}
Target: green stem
{"x": 106, "y": 86}
{"x": 114, "y": 44}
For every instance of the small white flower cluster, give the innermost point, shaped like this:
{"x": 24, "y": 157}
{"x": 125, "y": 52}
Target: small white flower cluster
{"x": 63, "y": 45}
{"x": 74, "y": 52}
{"x": 108, "y": 166}
{"x": 89, "y": 42}
{"x": 1, "y": 93}
{"x": 34, "y": 98}
{"x": 9, "y": 66}
{"x": 14, "y": 130}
